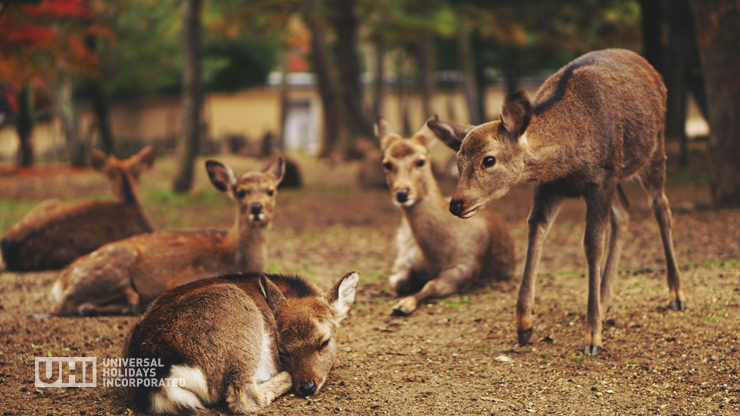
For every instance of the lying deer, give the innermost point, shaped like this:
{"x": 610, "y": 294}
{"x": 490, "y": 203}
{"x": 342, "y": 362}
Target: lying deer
{"x": 125, "y": 276}
{"x": 445, "y": 253}
{"x": 245, "y": 339}
{"x": 595, "y": 122}
{"x": 54, "y": 233}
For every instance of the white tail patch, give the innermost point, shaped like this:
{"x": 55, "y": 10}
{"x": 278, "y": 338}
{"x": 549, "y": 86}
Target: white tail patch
{"x": 57, "y": 292}
{"x": 190, "y": 392}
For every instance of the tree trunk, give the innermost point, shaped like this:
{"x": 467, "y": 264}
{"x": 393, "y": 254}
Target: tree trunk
{"x": 328, "y": 84}
{"x": 188, "y": 140}
{"x": 379, "y": 82}
{"x": 470, "y": 87}
{"x": 100, "y": 104}
{"x": 76, "y": 149}
{"x": 425, "y": 58}
{"x": 284, "y": 103}
{"x": 652, "y": 23}
{"x": 24, "y": 126}
{"x": 345, "y": 22}
{"x": 718, "y": 34}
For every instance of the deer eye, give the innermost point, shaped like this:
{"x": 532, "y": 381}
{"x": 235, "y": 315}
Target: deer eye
{"x": 241, "y": 193}
{"x": 420, "y": 163}
{"x": 489, "y": 161}
{"x": 270, "y": 192}
{"x": 324, "y": 344}
{"x": 388, "y": 165}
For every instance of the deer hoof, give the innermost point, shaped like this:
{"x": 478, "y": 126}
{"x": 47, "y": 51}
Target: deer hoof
{"x": 678, "y": 305}
{"x": 591, "y": 349}
{"x": 405, "y": 307}
{"x": 524, "y": 335}
{"x": 86, "y": 309}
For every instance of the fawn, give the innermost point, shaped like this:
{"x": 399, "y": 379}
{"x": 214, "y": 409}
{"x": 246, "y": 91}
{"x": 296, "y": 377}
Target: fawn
{"x": 597, "y": 121}
{"x": 242, "y": 338}
{"x": 54, "y": 233}
{"x": 445, "y": 253}
{"x": 127, "y": 275}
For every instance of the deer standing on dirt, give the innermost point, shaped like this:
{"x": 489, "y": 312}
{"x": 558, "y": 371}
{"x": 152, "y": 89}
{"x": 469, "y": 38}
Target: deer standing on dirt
{"x": 54, "y": 233}
{"x": 444, "y": 253}
{"x": 245, "y": 339}
{"x": 125, "y": 276}
{"x": 595, "y": 122}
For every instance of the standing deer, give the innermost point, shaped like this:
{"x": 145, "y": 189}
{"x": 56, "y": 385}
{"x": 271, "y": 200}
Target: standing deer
{"x": 245, "y": 339}
{"x": 595, "y": 122}
{"x": 125, "y": 276}
{"x": 54, "y": 233}
{"x": 445, "y": 253}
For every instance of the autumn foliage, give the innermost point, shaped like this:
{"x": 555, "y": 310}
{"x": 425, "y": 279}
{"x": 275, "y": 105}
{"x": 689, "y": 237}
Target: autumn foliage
{"x": 37, "y": 40}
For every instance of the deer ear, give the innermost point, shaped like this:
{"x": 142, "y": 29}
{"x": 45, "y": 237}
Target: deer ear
{"x": 451, "y": 134}
{"x": 342, "y": 295}
{"x": 221, "y": 176}
{"x": 516, "y": 113}
{"x": 425, "y": 136}
{"x": 384, "y": 132}
{"x": 98, "y": 159}
{"x": 277, "y": 168}
{"x": 145, "y": 158}
{"x": 271, "y": 293}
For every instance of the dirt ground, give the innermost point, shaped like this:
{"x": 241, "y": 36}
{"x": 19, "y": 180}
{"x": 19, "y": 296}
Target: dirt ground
{"x": 453, "y": 356}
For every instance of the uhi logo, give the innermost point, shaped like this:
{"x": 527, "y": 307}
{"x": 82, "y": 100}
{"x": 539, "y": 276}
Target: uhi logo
{"x": 70, "y": 371}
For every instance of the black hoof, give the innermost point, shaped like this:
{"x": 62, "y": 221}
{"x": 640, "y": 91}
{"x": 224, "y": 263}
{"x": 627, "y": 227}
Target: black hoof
{"x": 524, "y": 336}
{"x": 678, "y": 305}
{"x": 591, "y": 350}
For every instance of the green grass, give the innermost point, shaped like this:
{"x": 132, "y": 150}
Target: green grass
{"x": 457, "y": 301}
{"x": 371, "y": 277}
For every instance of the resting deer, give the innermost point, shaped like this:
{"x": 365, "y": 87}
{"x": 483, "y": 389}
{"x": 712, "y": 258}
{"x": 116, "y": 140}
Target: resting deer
{"x": 245, "y": 339}
{"x": 125, "y": 276}
{"x": 595, "y": 122}
{"x": 445, "y": 253}
{"x": 54, "y": 233}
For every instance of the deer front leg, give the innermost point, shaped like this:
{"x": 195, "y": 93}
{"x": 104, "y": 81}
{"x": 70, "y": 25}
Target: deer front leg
{"x": 450, "y": 281}
{"x": 251, "y": 397}
{"x": 598, "y": 207}
{"x": 544, "y": 210}
{"x": 409, "y": 257}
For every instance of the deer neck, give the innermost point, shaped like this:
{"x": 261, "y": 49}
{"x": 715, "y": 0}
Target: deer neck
{"x": 544, "y": 161}
{"x": 429, "y": 220}
{"x": 249, "y": 245}
{"x": 126, "y": 190}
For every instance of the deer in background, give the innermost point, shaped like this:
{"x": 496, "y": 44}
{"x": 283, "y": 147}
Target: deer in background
{"x": 597, "y": 121}
{"x": 54, "y": 233}
{"x": 444, "y": 253}
{"x": 242, "y": 339}
{"x": 127, "y": 275}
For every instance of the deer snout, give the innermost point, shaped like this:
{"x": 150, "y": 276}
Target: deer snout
{"x": 256, "y": 208}
{"x": 307, "y": 388}
{"x": 402, "y": 195}
{"x": 456, "y": 207}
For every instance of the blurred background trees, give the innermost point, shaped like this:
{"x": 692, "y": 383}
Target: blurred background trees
{"x": 361, "y": 57}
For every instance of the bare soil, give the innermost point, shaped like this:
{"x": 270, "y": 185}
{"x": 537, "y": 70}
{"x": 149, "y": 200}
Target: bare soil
{"x": 453, "y": 356}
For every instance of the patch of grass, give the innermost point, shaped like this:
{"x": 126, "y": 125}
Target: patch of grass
{"x": 731, "y": 262}
{"x": 482, "y": 349}
{"x": 370, "y": 277}
{"x": 457, "y": 301}
{"x": 525, "y": 350}
{"x": 632, "y": 362}
{"x": 579, "y": 357}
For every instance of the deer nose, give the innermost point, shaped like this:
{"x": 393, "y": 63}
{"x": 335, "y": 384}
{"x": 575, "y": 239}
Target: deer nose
{"x": 402, "y": 195}
{"x": 456, "y": 207}
{"x": 256, "y": 208}
{"x": 307, "y": 388}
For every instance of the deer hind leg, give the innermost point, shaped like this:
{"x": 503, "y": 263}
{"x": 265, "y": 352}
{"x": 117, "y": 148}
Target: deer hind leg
{"x": 598, "y": 206}
{"x": 124, "y": 302}
{"x": 653, "y": 181}
{"x": 544, "y": 211}
{"x": 251, "y": 397}
{"x": 620, "y": 218}
{"x": 450, "y": 281}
